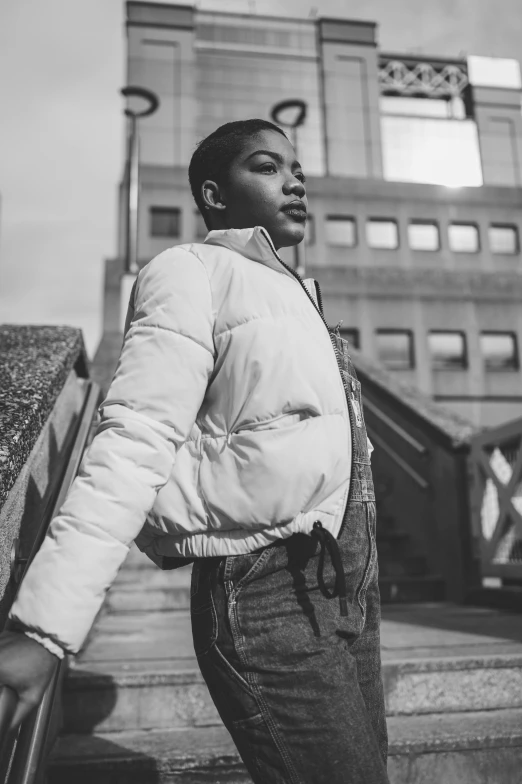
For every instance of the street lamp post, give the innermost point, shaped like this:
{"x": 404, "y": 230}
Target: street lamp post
{"x": 132, "y": 172}
{"x": 300, "y": 108}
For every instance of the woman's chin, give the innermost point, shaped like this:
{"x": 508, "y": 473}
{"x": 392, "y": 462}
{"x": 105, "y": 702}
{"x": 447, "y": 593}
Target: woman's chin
{"x": 289, "y": 236}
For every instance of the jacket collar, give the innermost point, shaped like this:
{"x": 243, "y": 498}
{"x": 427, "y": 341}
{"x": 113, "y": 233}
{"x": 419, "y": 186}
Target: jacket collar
{"x": 255, "y": 244}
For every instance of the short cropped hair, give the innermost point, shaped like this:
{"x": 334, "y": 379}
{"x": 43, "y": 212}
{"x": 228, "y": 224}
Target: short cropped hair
{"x": 214, "y": 155}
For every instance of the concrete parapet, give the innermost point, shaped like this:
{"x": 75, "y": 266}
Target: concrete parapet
{"x": 42, "y": 372}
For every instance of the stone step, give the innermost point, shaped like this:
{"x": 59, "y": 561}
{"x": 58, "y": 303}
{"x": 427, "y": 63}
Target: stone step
{"x": 160, "y": 599}
{"x": 129, "y": 698}
{"x": 139, "y": 672}
{"x": 462, "y": 748}
{"x": 142, "y": 586}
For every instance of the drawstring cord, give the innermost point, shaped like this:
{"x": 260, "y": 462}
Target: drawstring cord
{"x": 328, "y": 542}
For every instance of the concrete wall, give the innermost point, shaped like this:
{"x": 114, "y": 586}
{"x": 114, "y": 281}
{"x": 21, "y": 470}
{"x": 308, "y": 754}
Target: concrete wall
{"x": 43, "y": 370}
{"x": 161, "y": 59}
{"x": 351, "y": 99}
{"x": 499, "y": 122}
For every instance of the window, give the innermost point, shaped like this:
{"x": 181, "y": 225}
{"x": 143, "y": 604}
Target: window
{"x": 423, "y": 235}
{"x": 395, "y": 348}
{"x": 382, "y": 233}
{"x": 341, "y": 230}
{"x": 503, "y": 238}
{"x": 309, "y": 236}
{"x": 499, "y": 350}
{"x": 165, "y": 221}
{"x": 448, "y": 350}
{"x": 463, "y": 238}
{"x": 429, "y": 140}
{"x": 409, "y": 106}
{"x": 201, "y": 229}
{"x": 351, "y": 334}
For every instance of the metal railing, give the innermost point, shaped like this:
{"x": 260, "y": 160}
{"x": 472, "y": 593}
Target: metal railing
{"x": 496, "y": 500}
{"x": 420, "y": 471}
{"x": 22, "y": 754}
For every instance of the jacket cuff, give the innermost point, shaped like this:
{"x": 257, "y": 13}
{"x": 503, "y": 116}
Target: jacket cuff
{"x": 47, "y": 643}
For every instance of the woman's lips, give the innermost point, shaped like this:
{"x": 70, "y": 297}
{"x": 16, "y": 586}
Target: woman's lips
{"x": 295, "y": 211}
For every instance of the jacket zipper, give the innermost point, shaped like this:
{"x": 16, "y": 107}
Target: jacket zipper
{"x": 339, "y": 365}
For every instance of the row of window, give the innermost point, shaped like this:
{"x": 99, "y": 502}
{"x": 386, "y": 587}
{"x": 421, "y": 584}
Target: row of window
{"x": 448, "y": 350}
{"x": 423, "y": 235}
{"x": 381, "y": 233}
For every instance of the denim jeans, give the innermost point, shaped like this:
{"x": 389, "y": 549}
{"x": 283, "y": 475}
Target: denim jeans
{"x": 296, "y": 683}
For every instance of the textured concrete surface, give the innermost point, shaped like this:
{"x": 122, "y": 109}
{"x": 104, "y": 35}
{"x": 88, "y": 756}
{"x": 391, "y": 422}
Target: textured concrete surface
{"x": 23, "y": 509}
{"x": 485, "y": 748}
{"x": 442, "y": 630}
{"x": 146, "y": 701}
{"x": 34, "y": 365}
{"x": 207, "y": 755}
{"x": 39, "y": 398}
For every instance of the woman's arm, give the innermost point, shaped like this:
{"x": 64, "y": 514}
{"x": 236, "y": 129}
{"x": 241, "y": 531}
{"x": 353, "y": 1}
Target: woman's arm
{"x": 151, "y": 406}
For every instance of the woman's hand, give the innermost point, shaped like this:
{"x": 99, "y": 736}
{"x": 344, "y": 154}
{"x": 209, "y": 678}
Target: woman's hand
{"x": 26, "y": 667}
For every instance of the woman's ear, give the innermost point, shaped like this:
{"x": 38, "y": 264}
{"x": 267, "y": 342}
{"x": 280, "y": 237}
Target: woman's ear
{"x": 212, "y": 196}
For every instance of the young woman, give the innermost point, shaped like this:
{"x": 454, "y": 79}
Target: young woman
{"x": 232, "y": 435}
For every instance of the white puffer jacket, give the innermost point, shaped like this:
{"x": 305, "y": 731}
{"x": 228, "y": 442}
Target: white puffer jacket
{"x": 225, "y": 428}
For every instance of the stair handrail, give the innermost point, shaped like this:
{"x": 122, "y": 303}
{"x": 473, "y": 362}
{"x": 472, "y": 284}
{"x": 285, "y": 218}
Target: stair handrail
{"x": 22, "y": 753}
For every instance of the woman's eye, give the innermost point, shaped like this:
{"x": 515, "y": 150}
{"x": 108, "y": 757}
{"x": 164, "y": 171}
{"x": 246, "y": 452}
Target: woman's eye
{"x": 300, "y": 176}
{"x": 267, "y": 168}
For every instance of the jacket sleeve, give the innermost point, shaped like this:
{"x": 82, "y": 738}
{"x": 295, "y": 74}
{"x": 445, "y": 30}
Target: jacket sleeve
{"x": 160, "y": 381}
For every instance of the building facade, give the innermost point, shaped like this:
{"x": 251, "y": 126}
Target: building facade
{"x": 414, "y": 177}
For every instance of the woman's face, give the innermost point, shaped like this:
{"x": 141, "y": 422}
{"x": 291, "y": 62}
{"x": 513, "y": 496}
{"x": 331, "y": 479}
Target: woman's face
{"x": 265, "y": 187}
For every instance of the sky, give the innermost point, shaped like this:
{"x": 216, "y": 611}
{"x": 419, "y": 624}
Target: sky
{"x": 62, "y": 64}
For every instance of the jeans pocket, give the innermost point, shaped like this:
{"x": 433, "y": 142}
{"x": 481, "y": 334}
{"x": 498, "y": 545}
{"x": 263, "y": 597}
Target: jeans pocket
{"x": 372, "y": 557}
{"x": 232, "y": 672}
{"x": 240, "y": 570}
{"x": 230, "y": 691}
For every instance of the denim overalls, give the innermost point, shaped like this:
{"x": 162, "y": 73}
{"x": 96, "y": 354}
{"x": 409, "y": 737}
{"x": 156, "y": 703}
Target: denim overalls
{"x": 294, "y": 672}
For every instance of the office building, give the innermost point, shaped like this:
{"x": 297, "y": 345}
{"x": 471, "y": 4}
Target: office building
{"x": 414, "y": 178}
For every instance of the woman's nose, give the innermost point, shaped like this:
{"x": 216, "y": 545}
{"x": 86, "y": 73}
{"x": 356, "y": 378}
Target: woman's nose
{"x": 294, "y": 185}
